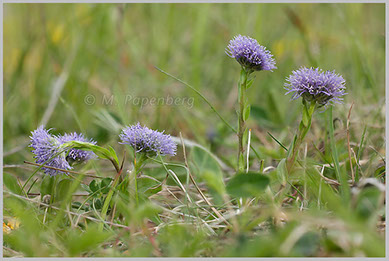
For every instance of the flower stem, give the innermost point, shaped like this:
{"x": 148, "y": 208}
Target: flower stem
{"x": 243, "y": 116}
{"x": 135, "y": 182}
{"x": 53, "y": 184}
{"x": 305, "y": 125}
{"x": 111, "y": 191}
{"x": 108, "y": 199}
{"x": 138, "y": 164}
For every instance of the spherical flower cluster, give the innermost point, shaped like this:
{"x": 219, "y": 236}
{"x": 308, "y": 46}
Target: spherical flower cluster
{"x": 250, "y": 54}
{"x": 46, "y": 147}
{"x": 314, "y": 84}
{"x": 76, "y": 155}
{"x": 148, "y": 141}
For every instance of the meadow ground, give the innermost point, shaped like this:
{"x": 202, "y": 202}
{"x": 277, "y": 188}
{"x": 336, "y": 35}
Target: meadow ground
{"x": 93, "y": 69}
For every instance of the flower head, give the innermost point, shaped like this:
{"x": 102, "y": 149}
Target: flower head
{"x": 45, "y": 146}
{"x": 314, "y": 84}
{"x": 250, "y": 54}
{"x": 76, "y": 155}
{"x": 152, "y": 142}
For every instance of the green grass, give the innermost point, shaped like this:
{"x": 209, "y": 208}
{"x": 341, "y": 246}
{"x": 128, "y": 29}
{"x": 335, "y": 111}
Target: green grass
{"x": 100, "y": 50}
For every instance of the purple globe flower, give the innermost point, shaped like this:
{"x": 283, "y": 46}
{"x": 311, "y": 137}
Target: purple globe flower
{"x": 151, "y": 142}
{"x": 45, "y": 146}
{"x": 76, "y": 155}
{"x": 314, "y": 84}
{"x": 250, "y": 54}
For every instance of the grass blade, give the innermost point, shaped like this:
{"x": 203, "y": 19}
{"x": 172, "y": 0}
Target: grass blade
{"x": 360, "y": 152}
{"x": 341, "y": 177}
{"x": 279, "y": 143}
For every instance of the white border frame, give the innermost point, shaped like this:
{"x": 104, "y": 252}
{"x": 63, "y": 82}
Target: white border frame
{"x": 203, "y": 1}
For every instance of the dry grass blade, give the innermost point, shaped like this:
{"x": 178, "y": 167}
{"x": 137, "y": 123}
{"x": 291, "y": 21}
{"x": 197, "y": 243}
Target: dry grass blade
{"x": 197, "y": 187}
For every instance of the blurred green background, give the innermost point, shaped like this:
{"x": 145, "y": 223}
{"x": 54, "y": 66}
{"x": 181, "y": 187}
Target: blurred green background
{"x": 73, "y": 51}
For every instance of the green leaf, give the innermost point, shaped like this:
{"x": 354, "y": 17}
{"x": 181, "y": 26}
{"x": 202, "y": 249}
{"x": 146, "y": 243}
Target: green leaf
{"x": 282, "y": 172}
{"x": 113, "y": 154}
{"x": 11, "y": 183}
{"x": 104, "y": 185}
{"x": 249, "y": 82}
{"x": 46, "y": 185}
{"x": 245, "y": 137}
{"x": 379, "y": 171}
{"x": 305, "y": 118}
{"x": 62, "y": 189}
{"x": 86, "y": 187}
{"x": 242, "y": 162}
{"x": 148, "y": 186}
{"x": 76, "y": 205}
{"x": 93, "y": 186}
{"x": 246, "y": 113}
{"x": 243, "y": 77}
{"x": 249, "y": 184}
{"x": 99, "y": 151}
{"x": 105, "y": 182}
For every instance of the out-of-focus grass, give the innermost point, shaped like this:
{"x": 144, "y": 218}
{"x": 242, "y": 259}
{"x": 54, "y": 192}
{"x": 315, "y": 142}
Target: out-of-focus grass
{"x": 111, "y": 49}
{"x": 116, "y": 47}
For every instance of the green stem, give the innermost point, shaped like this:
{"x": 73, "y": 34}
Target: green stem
{"x": 136, "y": 183}
{"x": 242, "y": 88}
{"x": 305, "y": 125}
{"x": 115, "y": 164}
{"x": 138, "y": 165}
{"x": 108, "y": 200}
{"x": 53, "y": 184}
